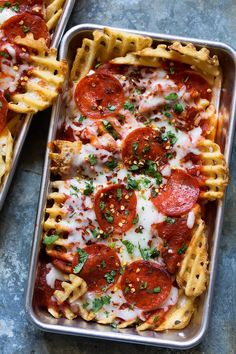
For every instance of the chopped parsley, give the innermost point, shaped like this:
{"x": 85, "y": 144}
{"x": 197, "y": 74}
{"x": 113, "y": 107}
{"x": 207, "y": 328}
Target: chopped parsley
{"x": 147, "y": 253}
{"x": 153, "y": 192}
{"x": 172, "y": 96}
{"x": 168, "y": 155}
{"x": 111, "y": 107}
{"x": 169, "y": 220}
{"x": 89, "y": 188}
{"x": 109, "y": 128}
{"x": 167, "y": 114}
{"x": 113, "y": 325}
{"x": 92, "y": 159}
{"x": 95, "y": 232}
{"x": 182, "y": 249}
{"x": 82, "y": 259}
{"x": 169, "y": 136}
{"x": 110, "y": 277}
{"x": 8, "y": 5}
{"x": 98, "y": 303}
{"x": 81, "y": 119}
{"x": 138, "y": 91}
{"x": 25, "y": 28}
{"x": 155, "y": 290}
{"x": 132, "y": 184}
{"x": 49, "y": 240}
{"x": 178, "y": 108}
{"x": 119, "y": 194}
{"x": 109, "y": 218}
{"x": 172, "y": 69}
{"x": 151, "y": 170}
{"x": 128, "y": 105}
{"x": 135, "y": 147}
{"x": 103, "y": 264}
{"x": 75, "y": 189}
{"x": 136, "y": 219}
{"x": 102, "y": 205}
{"x": 111, "y": 163}
{"x": 134, "y": 168}
{"x": 143, "y": 285}
{"x": 85, "y": 305}
{"x": 4, "y": 54}
{"x": 129, "y": 246}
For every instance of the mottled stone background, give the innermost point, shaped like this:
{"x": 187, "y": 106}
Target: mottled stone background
{"x": 210, "y": 19}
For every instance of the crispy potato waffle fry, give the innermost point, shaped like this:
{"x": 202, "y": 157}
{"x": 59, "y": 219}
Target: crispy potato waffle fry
{"x": 53, "y": 12}
{"x": 103, "y": 47}
{"x": 6, "y": 148}
{"x": 42, "y": 87}
{"x": 178, "y": 317}
{"x": 72, "y": 291}
{"x": 187, "y": 54}
{"x": 214, "y": 170}
{"x": 193, "y": 275}
{"x": 62, "y": 155}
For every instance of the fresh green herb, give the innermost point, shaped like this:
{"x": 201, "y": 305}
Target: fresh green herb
{"x": 146, "y": 149}
{"x": 168, "y": 155}
{"x": 132, "y": 184}
{"x": 127, "y": 289}
{"x": 16, "y": 7}
{"x": 109, "y": 128}
{"x": 74, "y": 189}
{"x": 138, "y": 91}
{"x": 139, "y": 229}
{"x": 136, "y": 219}
{"x": 92, "y": 159}
{"x": 151, "y": 170}
{"x": 49, "y": 240}
{"x": 170, "y": 136}
{"x": 119, "y": 194}
{"x": 129, "y": 246}
{"x": 145, "y": 182}
{"x": 103, "y": 264}
{"x": 85, "y": 305}
{"x": 157, "y": 290}
{"x": 110, "y": 277}
{"x": 112, "y": 163}
{"x": 25, "y": 28}
{"x": 89, "y": 188}
{"x": 109, "y": 218}
{"x": 112, "y": 245}
{"x": 4, "y": 54}
{"x": 97, "y": 65}
{"x": 172, "y": 96}
{"x": 83, "y": 256}
{"x": 155, "y": 319}
{"x": 153, "y": 193}
{"x": 81, "y": 119}
{"x": 121, "y": 271}
{"x": 167, "y": 114}
{"x": 134, "y": 168}
{"x": 182, "y": 249}
{"x": 95, "y": 232}
{"x": 172, "y": 69}
{"x": 147, "y": 253}
{"x": 128, "y": 105}
{"x": 102, "y": 205}
{"x": 113, "y": 325}
{"x": 143, "y": 285}
{"x": 98, "y": 303}
{"x": 135, "y": 147}
{"x": 111, "y": 107}
{"x": 169, "y": 220}
{"x": 178, "y": 108}
{"x": 126, "y": 212}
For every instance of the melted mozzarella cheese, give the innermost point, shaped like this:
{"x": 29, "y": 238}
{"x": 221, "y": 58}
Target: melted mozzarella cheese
{"x": 53, "y": 275}
{"x": 191, "y": 219}
{"x": 5, "y": 14}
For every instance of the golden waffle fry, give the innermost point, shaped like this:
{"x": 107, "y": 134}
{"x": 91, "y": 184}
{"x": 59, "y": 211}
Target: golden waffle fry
{"x": 192, "y": 275}
{"x": 66, "y": 311}
{"x": 62, "y": 155}
{"x": 104, "y": 46}
{"x": 187, "y": 54}
{"x": 46, "y": 76}
{"x": 6, "y": 148}
{"x": 178, "y": 317}
{"x": 72, "y": 291}
{"x": 213, "y": 169}
{"x": 53, "y": 12}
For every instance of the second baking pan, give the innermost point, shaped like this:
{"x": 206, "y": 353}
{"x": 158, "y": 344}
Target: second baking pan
{"x": 26, "y": 119}
{"x": 194, "y": 332}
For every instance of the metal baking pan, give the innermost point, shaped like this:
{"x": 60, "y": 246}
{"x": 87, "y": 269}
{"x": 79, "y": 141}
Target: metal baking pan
{"x": 195, "y": 331}
{"x": 26, "y": 120}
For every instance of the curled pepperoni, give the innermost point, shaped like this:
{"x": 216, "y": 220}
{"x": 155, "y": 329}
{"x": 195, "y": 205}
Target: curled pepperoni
{"x": 101, "y": 268}
{"x": 176, "y": 236}
{"x": 146, "y": 285}
{"x": 24, "y": 23}
{"x": 115, "y": 208}
{"x": 179, "y": 194}
{"x": 99, "y": 95}
{"x": 140, "y": 145}
{"x": 3, "y": 111}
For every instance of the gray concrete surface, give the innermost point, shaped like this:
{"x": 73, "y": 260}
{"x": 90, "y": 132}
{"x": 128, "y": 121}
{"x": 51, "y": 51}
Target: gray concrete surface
{"x": 212, "y": 19}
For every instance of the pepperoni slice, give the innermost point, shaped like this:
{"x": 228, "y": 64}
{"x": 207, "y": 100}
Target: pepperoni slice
{"x": 140, "y": 145}
{"x": 179, "y": 195}
{"x": 176, "y": 236}
{"x": 3, "y": 111}
{"x": 99, "y": 95}
{"x": 101, "y": 268}
{"x": 24, "y": 23}
{"x": 115, "y": 208}
{"x": 146, "y": 285}
{"x": 112, "y": 69}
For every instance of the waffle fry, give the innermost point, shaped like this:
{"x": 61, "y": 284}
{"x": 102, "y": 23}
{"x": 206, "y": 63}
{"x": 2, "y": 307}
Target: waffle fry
{"x": 53, "y": 12}
{"x": 214, "y": 169}
{"x": 192, "y": 275}
{"x": 72, "y": 291}
{"x": 103, "y": 47}
{"x": 66, "y": 311}
{"x": 178, "y": 317}
{"x": 62, "y": 155}
{"x": 187, "y": 54}
{"x": 6, "y": 148}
